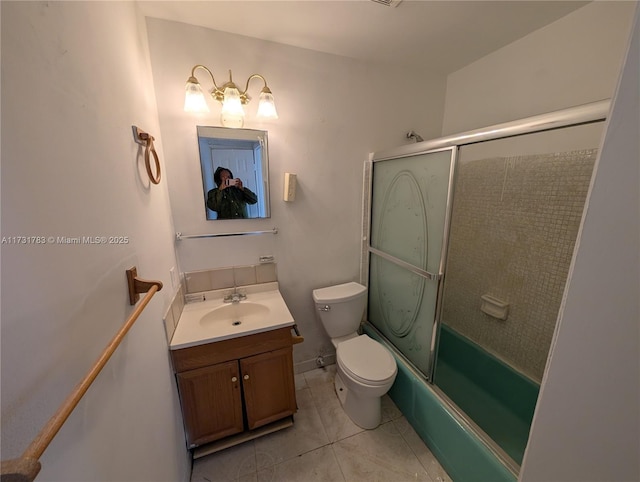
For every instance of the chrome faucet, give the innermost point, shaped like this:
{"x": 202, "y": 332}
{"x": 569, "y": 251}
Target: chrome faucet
{"x": 235, "y": 297}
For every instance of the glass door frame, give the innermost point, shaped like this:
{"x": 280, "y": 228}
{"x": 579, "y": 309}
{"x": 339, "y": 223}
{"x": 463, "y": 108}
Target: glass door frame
{"x": 581, "y": 114}
{"x": 368, "y": 250}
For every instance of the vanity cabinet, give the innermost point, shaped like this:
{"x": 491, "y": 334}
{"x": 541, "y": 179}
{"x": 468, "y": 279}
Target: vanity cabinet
{"x": 268, "y": 386}
{"x": 235, "y": 386}
{"x": 211, "y": 402}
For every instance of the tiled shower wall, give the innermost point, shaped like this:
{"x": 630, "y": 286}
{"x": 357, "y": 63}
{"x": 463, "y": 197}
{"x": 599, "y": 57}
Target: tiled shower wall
{"x": 514, "y": 226}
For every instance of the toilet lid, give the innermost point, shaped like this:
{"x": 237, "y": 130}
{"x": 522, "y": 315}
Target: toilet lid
{"x": 366, "y": 360}
{"x": 338, "y": 293}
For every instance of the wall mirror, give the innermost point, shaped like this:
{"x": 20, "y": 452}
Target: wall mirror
{"x": 235, "y": 172}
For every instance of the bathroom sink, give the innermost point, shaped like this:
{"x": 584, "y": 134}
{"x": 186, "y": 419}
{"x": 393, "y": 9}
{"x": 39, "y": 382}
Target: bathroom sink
{"x": 243, "y": 312}
{"x": 214, "y": 320}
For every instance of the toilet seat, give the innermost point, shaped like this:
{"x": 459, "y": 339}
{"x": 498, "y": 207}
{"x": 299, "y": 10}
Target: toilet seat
{"x": 366, "y": 361}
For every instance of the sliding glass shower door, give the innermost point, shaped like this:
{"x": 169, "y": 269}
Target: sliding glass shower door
{"x": 410, "y": 199}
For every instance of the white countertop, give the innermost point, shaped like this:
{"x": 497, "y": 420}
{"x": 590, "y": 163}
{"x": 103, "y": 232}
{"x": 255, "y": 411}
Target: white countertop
{"x": 193, "y": 330}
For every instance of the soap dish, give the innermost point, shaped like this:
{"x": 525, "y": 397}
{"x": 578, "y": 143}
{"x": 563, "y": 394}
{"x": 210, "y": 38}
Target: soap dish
{"x": 494, "y": 307}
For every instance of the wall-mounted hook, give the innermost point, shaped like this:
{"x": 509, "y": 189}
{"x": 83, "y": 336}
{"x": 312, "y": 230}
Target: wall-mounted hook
{"x": 145, "y": 139}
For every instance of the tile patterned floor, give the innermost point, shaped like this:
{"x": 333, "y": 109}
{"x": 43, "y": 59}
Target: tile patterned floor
{"x": 325, "y": 446}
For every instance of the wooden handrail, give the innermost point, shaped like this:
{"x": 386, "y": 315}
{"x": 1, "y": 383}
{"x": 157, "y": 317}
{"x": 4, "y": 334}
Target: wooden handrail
{"x": 26, "y": 468}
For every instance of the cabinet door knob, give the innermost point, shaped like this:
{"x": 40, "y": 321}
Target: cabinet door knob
{"x": 234, "y": 379}
{"x": 246, "y": 377}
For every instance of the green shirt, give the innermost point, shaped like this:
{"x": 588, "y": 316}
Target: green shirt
{"x": 231, "y": 203}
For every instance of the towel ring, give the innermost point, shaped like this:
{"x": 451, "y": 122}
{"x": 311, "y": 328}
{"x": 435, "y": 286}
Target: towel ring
{"x": 147, "y": 139}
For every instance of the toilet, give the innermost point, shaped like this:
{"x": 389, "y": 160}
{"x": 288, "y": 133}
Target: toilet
{"x": 365, "y": 369}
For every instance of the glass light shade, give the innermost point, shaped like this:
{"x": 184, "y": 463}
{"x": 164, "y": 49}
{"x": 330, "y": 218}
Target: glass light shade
{"x": 194, "y": 100}
{"x": 232, "y": 114}
{"x": 267, "y": 106}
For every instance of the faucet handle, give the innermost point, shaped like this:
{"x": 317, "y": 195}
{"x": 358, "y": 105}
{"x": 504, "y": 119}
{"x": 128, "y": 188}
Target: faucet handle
{"x": 235, "y": 296}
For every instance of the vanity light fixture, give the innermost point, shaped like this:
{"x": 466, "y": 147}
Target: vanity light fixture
{"x": 232, "y": 114}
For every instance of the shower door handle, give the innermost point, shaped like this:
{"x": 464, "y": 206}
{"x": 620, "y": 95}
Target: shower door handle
{"x": 405, "y": 265}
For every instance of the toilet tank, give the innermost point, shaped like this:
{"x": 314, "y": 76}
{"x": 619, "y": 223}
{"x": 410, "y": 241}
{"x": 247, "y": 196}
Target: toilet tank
{"x": 341, "y": 307}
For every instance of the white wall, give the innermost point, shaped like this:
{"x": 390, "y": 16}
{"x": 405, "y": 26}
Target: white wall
{"x": 333, "y": 112}
{"x": 75, "y": 78}
{"x": 587, "y": 422}
{"x": 573, "y": 61}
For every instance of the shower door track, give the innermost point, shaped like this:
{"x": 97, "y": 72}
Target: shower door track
{"x": 573, "y": 116}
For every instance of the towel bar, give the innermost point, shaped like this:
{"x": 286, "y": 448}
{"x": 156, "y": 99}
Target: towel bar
{"x": 180, "y": 236}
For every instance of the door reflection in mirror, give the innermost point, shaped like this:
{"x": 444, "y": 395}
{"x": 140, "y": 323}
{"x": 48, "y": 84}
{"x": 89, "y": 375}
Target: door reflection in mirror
{"x": 235, "y": 172}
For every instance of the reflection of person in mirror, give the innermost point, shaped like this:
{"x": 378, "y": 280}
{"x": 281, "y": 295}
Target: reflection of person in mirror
{"x": 230, "y": 198}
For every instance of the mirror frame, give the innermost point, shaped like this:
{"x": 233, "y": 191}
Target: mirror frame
{"x": 229, "y": 136}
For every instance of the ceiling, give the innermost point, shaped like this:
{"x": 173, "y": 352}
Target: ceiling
{"x": 442, "y": 35}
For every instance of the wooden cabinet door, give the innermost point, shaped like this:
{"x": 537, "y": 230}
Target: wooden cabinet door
{"x": 211, "y": 402}
{"x": 269, "y": 388}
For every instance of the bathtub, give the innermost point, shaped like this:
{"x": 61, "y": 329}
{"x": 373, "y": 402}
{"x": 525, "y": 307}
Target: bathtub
{"x": 456, "y": 441}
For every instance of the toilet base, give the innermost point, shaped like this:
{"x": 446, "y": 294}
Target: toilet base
{"x": 364, "y": 411}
